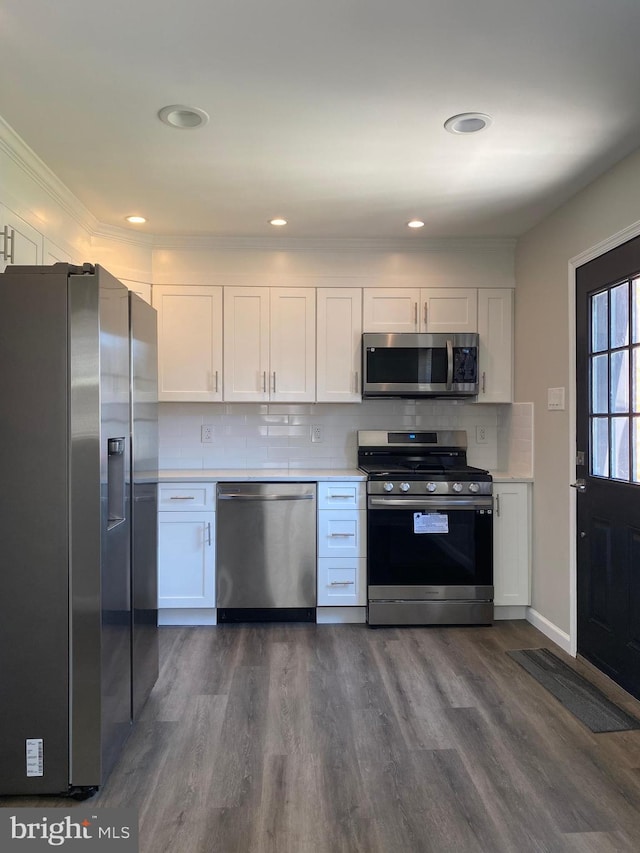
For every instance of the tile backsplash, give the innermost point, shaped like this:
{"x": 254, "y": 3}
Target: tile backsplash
{"x": 255, "y": 435}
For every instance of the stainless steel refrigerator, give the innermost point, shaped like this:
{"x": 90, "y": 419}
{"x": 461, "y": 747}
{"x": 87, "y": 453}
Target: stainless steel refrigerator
{"x": 78, "y": 589}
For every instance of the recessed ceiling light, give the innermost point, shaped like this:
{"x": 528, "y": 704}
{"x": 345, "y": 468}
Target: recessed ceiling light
{"x": 415, "y": 223}
{"x": 468, "y": 122}
{"x": 184, "y": 118}
{"x": 277, "y": 221}
{"x": 136, "y": 220}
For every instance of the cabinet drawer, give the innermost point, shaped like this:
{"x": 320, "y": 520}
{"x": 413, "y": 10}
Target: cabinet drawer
{"x": 186, "y": 496}
{"x": 342, "y": 582}
{"x": 347, "y": 495}
{"x": 341, "y": 534}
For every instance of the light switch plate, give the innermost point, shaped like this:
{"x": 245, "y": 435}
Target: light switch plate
{"x": 555, "y": 399}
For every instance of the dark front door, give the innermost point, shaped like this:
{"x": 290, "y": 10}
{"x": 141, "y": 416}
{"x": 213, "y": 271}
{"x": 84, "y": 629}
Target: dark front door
{"x": 608, "y": 436}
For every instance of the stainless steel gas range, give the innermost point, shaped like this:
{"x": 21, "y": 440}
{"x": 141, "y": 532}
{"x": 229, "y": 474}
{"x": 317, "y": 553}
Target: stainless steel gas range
{"x": 429, "y": 529}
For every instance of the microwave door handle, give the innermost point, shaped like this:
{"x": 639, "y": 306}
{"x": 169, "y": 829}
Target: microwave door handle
{"x": 449, "y": 365}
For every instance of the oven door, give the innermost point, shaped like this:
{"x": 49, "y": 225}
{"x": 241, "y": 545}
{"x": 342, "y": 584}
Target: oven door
{"x": 440, "y": 548}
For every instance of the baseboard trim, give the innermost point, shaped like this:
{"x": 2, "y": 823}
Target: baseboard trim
{"x": 509, "y": 611}
{"x": 559, "y": 637}
{"x": 187, "y": 616}
{"x": 341, "y": 615}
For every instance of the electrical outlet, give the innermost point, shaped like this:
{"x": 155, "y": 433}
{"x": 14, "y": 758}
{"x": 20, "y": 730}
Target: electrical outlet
{"x": 206, "y": 433}
{"x": 316, "y": 433}
{"x": 481, "y": 434}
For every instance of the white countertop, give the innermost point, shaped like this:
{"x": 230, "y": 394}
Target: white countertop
{"x": 510, "y": 477}
{"x": 221, "y": 475}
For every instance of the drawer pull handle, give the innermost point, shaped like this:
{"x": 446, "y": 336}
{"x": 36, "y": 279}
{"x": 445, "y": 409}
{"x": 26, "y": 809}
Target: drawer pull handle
{"x": 342, "y": 583}
{"x": 340, "y": 535}
{"x": 182, "y": 498}
{"x": 341, "y": 497}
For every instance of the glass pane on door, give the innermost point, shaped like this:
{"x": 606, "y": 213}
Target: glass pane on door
{"x": 620, "y": 315}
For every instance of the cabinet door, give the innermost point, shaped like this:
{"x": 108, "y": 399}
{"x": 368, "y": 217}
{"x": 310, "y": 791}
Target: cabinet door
{"x": 23, "y": 244}
{"x": 511, "y": 531}
{"x": 54, "y": 254}
{"x": 339, "y": 345}
{"x": 293, "y": 345}
{"x": 390, "y": 309}
{"x": 449, "y": 309}
{"x": 246, "y": 344}
{"x": 495, "y": 326}
{"x": 189, "y": 342}
{"x": 186, "y": 559}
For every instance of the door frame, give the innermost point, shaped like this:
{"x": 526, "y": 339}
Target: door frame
{"x": 595, "y": 251}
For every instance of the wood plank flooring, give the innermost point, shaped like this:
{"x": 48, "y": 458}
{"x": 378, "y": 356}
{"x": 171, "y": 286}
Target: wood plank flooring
{"x": 299, "y": 738}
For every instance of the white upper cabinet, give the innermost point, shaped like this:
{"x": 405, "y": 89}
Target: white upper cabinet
{"x": 141, "y": 288}
{"x": 189, "y": 342}
{"x": 20, "y": 243}
{"x": 293, "y": 344}
{"x": 269, "y": 344}
{"x": 246, "y": 344}
{"x": 420, "y": 310}
{"x": 339, "y": 344}
{"x": 54, "y": 254}
{"x": 495, "y": 325}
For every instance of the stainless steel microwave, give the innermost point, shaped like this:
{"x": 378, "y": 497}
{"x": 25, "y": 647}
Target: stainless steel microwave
{"x": 414, "y": 365}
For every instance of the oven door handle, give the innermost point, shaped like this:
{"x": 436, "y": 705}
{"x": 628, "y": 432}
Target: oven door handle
{"x": 437, "y": 506}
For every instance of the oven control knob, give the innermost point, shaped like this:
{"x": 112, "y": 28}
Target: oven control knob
{"x": 431, "y": 487}
{"x": 474, "y": 487}
{"x": 457, "y": 487}
{"x": 388, "y": 487}
{"x": 404, "y": 487}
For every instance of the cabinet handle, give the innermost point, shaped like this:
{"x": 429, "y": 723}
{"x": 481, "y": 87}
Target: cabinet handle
{"x": 425, "y": 316}
{"x": 415, "y": 315}
{"x": 274, "y": 382}
{"x": 340, "y": 497}
{"x": 484, "y": 382}
{"x": 182, "y": 498}
{"x": 340, "y": 535}
{"x": 342, "y": 583}
{"x": 9, "y": 240}
{"x": 498, "y": 505}
{"x": 357, "y": 383}
{"x": 208, "y": 533}
{"x": 216, "y": 381}
{"x": 264, "y": 381}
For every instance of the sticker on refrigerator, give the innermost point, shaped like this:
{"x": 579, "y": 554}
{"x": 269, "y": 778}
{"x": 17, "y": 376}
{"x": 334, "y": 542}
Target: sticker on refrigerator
{"x": 35, "y": 756}
{"x": 430, "y": 522}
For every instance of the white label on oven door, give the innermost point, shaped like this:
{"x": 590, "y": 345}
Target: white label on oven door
{"x": 430, "y": 522}
{"x": 35, "y": 756}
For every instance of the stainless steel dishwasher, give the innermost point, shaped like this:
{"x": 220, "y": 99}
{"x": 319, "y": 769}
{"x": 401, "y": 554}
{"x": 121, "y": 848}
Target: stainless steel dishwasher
{"x": 266, "y": 552}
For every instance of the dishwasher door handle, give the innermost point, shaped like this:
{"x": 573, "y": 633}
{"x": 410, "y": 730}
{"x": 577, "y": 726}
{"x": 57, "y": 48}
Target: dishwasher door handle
{"x": 238, "y": 496}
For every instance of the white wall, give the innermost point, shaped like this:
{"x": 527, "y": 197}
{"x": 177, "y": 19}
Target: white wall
{"x": 543, "y": 358}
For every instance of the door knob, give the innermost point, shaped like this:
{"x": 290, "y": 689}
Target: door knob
{"x": 580, "y": 485}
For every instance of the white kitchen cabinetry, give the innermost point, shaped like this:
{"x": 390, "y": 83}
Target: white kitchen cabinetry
{"x": 440, "y": 309}
{"x": 142, "y": 289}
{"x": 339, "y": 344}
{"x": 495, "y": 327}
{"x": 189, "y": 343}
{"x": 186, "y": 546}
{"x": 269, "y": 344}
{"x": 20, "y": 243}
{"x": 54, "y": 254}
{"x": 342, "y": 572}
{"x": 511, "y": 545}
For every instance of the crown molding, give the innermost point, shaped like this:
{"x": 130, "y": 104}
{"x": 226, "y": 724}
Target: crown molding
{"x": 29, "y": 162}
{"x": 453, "y": 244}
{"x": 123, "y": 235}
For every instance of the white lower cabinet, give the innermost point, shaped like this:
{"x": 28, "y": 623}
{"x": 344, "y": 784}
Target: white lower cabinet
{"x": 342, "y": 572}
{"x": 186, "y": 547}
{"x": 511, "y": 543}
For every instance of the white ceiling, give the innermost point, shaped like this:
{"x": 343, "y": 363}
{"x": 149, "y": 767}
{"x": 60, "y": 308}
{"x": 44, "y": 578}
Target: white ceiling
{"x": 327, "y": 112}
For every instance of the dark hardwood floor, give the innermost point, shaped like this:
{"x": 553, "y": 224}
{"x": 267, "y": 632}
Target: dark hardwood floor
{"x": 301, "y": 738}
